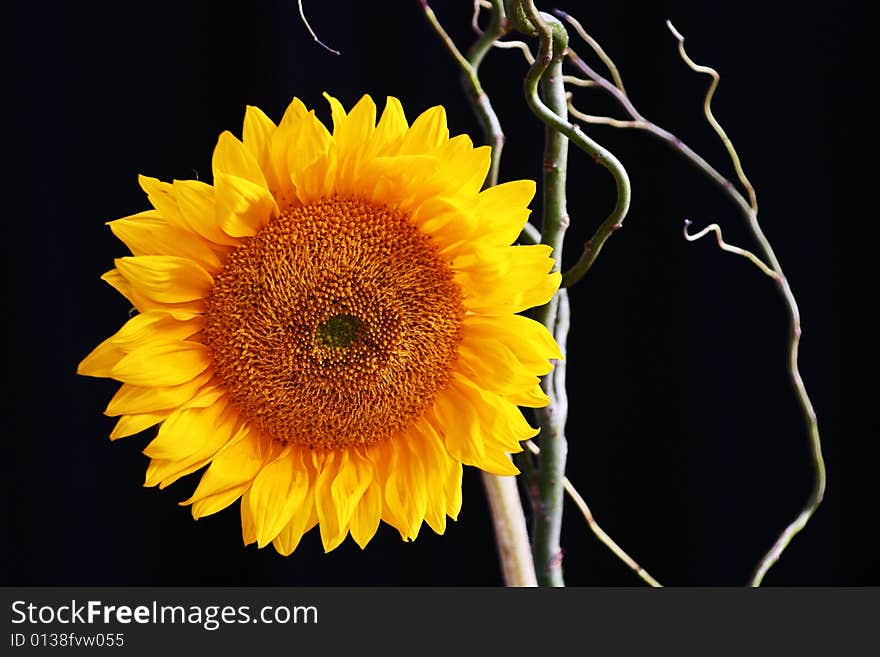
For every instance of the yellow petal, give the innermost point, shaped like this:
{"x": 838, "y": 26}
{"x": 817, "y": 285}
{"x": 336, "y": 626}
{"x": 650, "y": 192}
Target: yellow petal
{"x": 397, "y": 180}
{"x": 479, "y": 427}
{"x": 464, "y": 167}
{"x": 160, "y": 195}
{"x": 380, "y": 456}
{"x": 351, "y": 134}
{"x": 529, "y": 340}
{"x": 428, "y": 132}
{"x": 504, "y": 280}
{"x": 301, "y": 522}
{"x": 256, "y": 133}
{"x": 248, "y": 533}
{"x": 281, "y": 145}
{"x": 101, "y": 360}
{"x": 128, "y": 425}
{"x": 155, "y": 325}
{"x": 189, "y": 431}
{"x": 494, "y": 367}
{"x": 453, "y": 488}
{"x": 391, "y": 128}
{"x": 118, "y": 283}
{"x": 366, "y": 516}
{"x": 354, "y": 475}
{"x": 405, "y": 491}
{"x": 243, "y": 207}
{"x": 164, "y": 472}
{"x": 311, "y": 160}
{"x": 352, "y": 131}
{"x": 131, "y": 399}
{"x": 167, "y": 279}
{"x": 198, "y": 211}
{"x": 163, "y": 364}
{"x": 503, "y": 423}
{"x": 503, "y": 210}
{"x": 458, "y": 425}
{"x": 146, "y": 236}
{"x": 231, "y": 472}
{"x": 434, "y": 457}
{"x": 231, "y": 157}
{"x": 188, "y": 452}
{"x": 332, "y": 533}
{"x": 278, "y": 492}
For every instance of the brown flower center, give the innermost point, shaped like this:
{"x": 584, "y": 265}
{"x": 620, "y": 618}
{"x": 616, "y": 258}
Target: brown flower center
{"x": 335, "y": 325}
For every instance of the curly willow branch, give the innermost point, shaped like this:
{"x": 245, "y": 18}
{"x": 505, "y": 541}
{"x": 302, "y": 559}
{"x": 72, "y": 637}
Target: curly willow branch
{"x": 581, "y": 140}
{"x": 749, "y": 210}
{"x": 710, "y": 117}
{"x": 809, "y": 413}
{"x": 724, "y": 246}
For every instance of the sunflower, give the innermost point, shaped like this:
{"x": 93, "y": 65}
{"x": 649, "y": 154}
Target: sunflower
{"x": 331, "y": 328}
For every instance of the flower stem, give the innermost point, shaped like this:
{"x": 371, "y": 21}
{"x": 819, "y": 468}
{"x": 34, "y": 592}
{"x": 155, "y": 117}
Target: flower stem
{"x": 511, "y": 534}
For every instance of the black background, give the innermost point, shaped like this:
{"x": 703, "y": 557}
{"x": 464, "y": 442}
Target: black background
{"x": 684, "y": 436}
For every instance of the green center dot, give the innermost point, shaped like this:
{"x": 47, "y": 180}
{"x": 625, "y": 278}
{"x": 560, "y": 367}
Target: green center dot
{"x": 340, "y": 331}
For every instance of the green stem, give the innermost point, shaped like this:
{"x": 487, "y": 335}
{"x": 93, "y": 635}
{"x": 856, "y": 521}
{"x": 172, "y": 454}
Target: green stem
{"x": 554, "y": 448}
{"x": 546, "y": 73}
{"x": 550, "y": 29}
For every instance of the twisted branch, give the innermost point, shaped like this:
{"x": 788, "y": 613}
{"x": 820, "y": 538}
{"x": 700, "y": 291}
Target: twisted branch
{"x": 748, "y": 206}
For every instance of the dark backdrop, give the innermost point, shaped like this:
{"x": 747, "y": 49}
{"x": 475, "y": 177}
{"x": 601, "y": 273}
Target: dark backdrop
{"x": 684, "y": 436}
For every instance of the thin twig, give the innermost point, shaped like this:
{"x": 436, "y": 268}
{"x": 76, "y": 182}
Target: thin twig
{"x": 749, "y": 210}
{"x": 302, "y": 15}
{"x": 601, "y": 120}
{"x": 590, "y": 41}
{"x": 710, "y": 117}
{"x": 520, "y": 45}
{"x": 475, "y": 18}
{"x": 578, "y": 82}
{"x": 639, "y": 122}
{"x": 600, "y": 533}
{"x": 470, "y": 66}
{"x": 809, "y": 414}
{"x": 724, "y": 246}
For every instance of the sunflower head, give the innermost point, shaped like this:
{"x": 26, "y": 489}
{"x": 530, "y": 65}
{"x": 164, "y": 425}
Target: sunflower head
{"x": 331, "y": 327}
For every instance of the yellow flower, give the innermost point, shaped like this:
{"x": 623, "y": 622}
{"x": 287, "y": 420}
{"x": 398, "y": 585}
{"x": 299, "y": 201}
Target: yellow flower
{"x": 331, "y": 327}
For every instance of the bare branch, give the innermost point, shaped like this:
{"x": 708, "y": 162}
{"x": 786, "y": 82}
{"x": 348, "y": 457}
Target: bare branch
{"x": 724, "y": 246}
{"x": 305, "y": 21}
{"x": 600, "y": 533}
{"x": 521, "y": 45}
{"x": 590, "y": 41}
